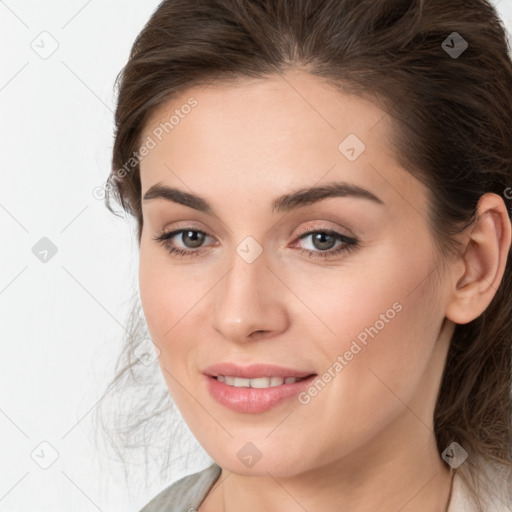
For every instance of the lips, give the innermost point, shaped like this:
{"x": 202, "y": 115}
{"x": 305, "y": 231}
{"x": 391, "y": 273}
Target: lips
{"x": 254, "y": 371}
{"x": 249, "y": 400}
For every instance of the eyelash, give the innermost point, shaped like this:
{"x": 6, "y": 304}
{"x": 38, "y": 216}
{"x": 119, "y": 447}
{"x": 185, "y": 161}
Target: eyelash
{"x": 348, "y": 245}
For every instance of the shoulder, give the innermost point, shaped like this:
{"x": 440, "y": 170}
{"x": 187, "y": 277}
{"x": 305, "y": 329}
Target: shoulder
{"x": 496, "y": 491}
{"x": 187, "y": 493}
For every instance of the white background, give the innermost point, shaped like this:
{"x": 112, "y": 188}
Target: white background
{"x": 62, "y": 321}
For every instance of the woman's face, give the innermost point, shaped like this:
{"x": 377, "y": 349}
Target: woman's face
{"x": 340, "y": 285}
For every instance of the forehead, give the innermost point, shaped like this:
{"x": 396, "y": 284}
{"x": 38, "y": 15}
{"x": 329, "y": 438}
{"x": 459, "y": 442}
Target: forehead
{"x": 271, "y": 134}
{"x": 295, "y": 105}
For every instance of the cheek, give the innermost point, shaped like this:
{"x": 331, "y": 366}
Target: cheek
{"x": 385, "y": 293}
{"x": 163, "y": 308}
{"x": 385, "y": 329}
{"x": 166, "y": 291}
{"x": 171, "y": 299}
{"x": 154, "y": 297}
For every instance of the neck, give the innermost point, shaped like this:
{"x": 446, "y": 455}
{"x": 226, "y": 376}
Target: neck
{"x": 409, "y": 481}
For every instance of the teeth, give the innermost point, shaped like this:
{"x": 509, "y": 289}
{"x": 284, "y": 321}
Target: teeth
{"x": 260, "y": 382}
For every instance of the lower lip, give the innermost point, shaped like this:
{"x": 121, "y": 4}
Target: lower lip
{"x": 254, "y": 400}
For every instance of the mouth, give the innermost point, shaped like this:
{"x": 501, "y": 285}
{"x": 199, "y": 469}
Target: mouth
{"x": 257, "y": 394}
{"x": 239, "y": 375}
{"x": 259, "y": 382}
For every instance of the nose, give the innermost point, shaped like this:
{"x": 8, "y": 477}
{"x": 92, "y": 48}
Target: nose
{"x": 250, "y": 301}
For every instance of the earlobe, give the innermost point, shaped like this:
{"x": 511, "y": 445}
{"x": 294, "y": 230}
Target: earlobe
{"x": 483, "y": 261}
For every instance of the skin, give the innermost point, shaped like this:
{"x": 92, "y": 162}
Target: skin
{"x": 366, "y": 441}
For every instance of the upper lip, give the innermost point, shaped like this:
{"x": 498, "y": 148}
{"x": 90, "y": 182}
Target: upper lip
{"x": 253, "y": 371}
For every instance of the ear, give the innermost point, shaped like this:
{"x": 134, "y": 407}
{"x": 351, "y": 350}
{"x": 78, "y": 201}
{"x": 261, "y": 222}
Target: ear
{"x": 478, "y": 273}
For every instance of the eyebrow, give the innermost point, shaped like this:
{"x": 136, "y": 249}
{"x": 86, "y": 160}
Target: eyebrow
{"x": 285, "y": 203}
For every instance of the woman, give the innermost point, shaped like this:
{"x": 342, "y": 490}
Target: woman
{"x": 322, "y": 195}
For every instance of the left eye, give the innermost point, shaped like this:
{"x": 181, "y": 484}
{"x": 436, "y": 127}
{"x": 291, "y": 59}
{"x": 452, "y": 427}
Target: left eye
{"x": 323, "y": 242}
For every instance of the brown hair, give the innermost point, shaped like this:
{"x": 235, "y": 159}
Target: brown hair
{"x": 452, "y": 129}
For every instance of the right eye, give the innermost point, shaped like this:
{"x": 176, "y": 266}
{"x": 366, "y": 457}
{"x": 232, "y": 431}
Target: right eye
{"x": 189, "y": 237}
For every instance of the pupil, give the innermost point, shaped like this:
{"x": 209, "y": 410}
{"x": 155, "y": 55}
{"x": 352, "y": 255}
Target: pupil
{"x": 195, "y": 236}
{"x": 320, "y": 238}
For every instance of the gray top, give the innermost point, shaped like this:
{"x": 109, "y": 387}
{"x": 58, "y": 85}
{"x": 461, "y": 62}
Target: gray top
{"x": 187, "y": 494}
